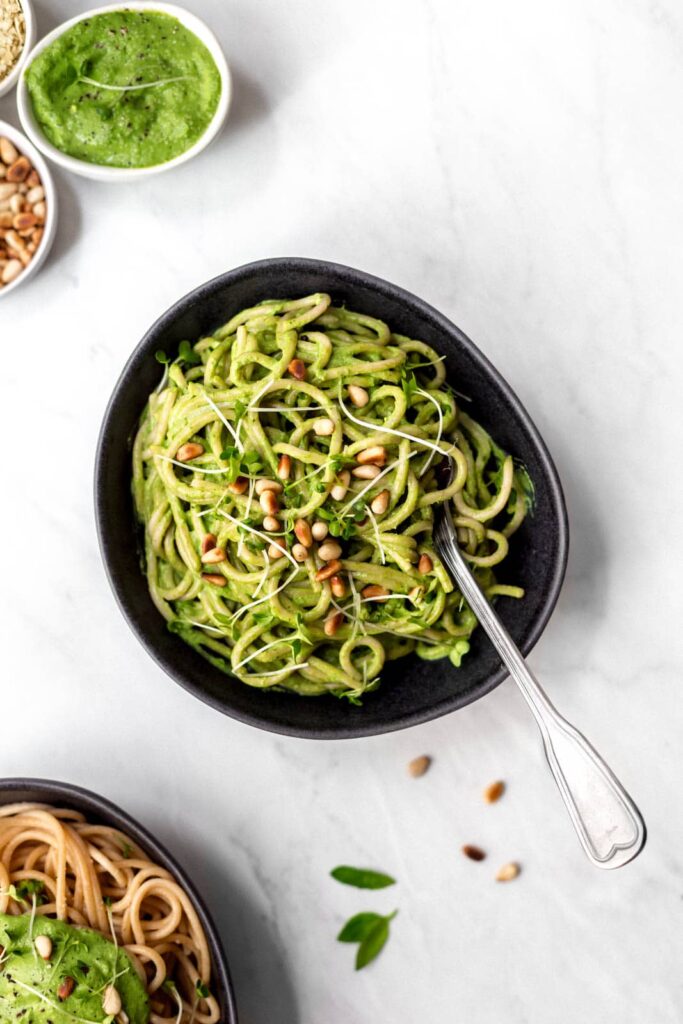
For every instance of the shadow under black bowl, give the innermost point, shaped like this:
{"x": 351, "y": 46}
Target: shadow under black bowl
{"x": 101, "y": 811}
{"x": 412, "y": 691}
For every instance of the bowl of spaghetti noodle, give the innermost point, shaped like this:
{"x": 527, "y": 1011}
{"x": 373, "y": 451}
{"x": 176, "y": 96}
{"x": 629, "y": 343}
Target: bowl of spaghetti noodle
{"x": 274, "y": 454}
{"x": 75, "y": 865}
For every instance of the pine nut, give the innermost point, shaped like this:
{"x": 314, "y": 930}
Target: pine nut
{"x": 333, "y": 622}
{"x": 11, "y": 270}
{"x": 16, "y": 203}
{"x": 8, "y": 152}
{"x": 419, "y": 765}
{"x": 269, "y": 503}
{"x": 208, "y": 542}
{"x": 300, "y": 552}
{"x": 276, "y": 551}
{"x": 331, "y": 569}
{"x": 66, "y": 988}
{"x": 473, "y": 852}
{"x": 425, "y": 565}
{"x": 380, "y": 504}
{"x": 35, "y": 195}
{"x": 7, "y": 189}
{"x": 297, "y": 369}
{"x": 494, "y": 792}
{"x": 238, "y": 486}
{"x": 189, "y": 451}
{"x": 376, "y": 454}
{"x": 214, "y": 578}
{"x": 320, "y": 530}
{"x": 271, "y": 524}
{"x": 329, "y": 551}
{"x": 263, "y": 484}
{"x": 358, "y": 396}
{"x": 15, "y": 241}
{"x": 367, "y": 472}
{"x": 43, "y": 946}
{"x": 284, "y": 467}
{"x": 40, "y": 210}
{"x": 214, "y": 556}
{"x": 24, "y": 221}
{"x": 303, "y": 532}
{"x": 415, "y": 594}
{"x": 323, "y": 427}
{"x": 111, "y": 1002}
{"x": 338, "y": 492}
{"x": 373, "y": 591}
{"x": 19, "y": 170}
{"x": 338, "y": 586}
{"x": 507, "y": 872}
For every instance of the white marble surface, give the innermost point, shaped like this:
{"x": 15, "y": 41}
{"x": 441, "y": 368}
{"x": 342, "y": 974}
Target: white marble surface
{"x": 520, "y": 166}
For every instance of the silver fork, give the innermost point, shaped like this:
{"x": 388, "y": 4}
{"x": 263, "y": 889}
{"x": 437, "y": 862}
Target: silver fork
{"x": 607, "y": 822}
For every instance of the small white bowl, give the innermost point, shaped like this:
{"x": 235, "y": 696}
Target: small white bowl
{"x": 30, "y": 21}
{"x": 28, "y": 149}
{"x": 101, "y": 172}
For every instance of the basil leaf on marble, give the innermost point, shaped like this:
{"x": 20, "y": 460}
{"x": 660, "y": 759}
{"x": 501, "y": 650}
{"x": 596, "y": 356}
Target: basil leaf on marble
{"x": 358, "y": 927}
{"x": 362, "y": 878}
{"x": 373, "y": 941}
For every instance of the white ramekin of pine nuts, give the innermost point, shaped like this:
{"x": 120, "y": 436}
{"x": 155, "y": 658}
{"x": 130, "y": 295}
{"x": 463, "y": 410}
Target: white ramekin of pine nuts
{"x": 28, "y": 209}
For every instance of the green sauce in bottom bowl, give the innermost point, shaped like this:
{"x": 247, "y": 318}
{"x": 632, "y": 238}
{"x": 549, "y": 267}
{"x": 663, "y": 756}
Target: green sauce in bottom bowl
{"x": 126, "y": 88}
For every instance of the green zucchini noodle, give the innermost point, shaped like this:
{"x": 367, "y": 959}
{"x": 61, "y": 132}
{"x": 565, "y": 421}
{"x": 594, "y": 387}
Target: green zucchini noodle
{"x": 298, "y": 393}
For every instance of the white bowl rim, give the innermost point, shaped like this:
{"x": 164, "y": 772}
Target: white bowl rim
{"x": 40, "y": 163}
{"x": 7, "y": 84}
{"x": 103, "y": 172}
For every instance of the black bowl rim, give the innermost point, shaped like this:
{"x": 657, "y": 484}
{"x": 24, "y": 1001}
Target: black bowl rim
{"x": 395, "y": 292}
{"x": 51, "y": 791}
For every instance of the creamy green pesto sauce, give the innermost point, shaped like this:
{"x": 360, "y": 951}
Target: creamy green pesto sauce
{"x": 124, "y": 89}
{"x": 29, "y": 985}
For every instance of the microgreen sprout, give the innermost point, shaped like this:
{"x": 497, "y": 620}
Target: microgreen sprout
{"x": 131, "y": 88}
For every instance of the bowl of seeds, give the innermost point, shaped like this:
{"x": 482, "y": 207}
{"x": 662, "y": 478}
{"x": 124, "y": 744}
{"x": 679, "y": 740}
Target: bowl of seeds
{"x": 17, "y": 35}
{"x": 28, "y": 209}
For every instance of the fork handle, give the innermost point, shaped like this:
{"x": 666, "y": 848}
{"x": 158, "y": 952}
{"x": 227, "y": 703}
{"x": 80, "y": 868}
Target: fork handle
{"x": 607, "y": 821}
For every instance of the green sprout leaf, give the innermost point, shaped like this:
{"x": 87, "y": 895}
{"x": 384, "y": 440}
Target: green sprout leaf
{"x": 28, "y": 888}
{"x": 374, "y": 942}
{"x": 409, "y": 385}
{"x": 370, "y": 931}
{"x": 356, "y": 928}
{"x": 264, "y": 618}
{"x": 231, "y": 456}
{"x": 362, "y": 878}
{"x": 187, "y": 354}
{"x": 161, "y": 357}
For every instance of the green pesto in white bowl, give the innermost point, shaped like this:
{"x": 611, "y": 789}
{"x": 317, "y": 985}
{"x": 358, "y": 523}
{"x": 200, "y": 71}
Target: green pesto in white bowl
{"x": 124, "y": 88}
{"x": 125, "y": 91}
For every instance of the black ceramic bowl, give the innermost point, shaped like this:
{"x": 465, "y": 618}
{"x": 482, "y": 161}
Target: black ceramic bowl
{"x": 101, "y": 811}
{"x": 412, "y": 690}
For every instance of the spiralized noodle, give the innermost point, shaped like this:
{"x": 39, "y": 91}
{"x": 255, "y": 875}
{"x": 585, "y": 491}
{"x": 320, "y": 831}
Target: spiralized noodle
{"x": 97, "y": 877}
{"x": 278, "y": 382}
